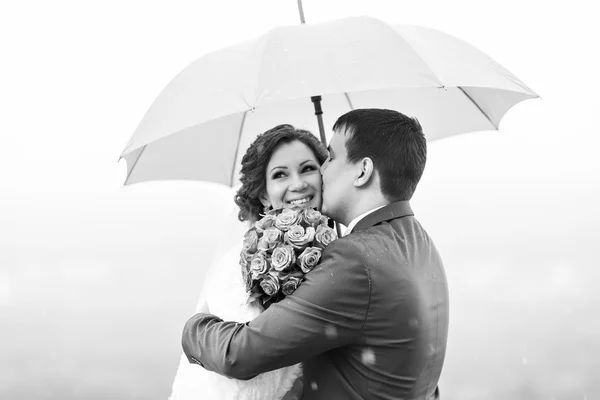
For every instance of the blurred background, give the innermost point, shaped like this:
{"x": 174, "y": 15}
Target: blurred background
{"x": 97, "y": 280}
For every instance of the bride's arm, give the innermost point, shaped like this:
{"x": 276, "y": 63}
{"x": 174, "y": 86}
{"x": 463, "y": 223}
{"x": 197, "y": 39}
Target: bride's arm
{"x": 335, "y": 294}
{"x": 225, "y": 293}
{"x": 225, "y": 296}
{"x": 296, "y": 392}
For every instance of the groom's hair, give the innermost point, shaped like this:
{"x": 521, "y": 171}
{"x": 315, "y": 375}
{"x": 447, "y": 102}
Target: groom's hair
{"x": 253, "y": 175}
{"x": 394, "y": 142}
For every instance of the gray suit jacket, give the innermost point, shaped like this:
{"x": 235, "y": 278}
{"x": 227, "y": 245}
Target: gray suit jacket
{"x": 369, "y": 322}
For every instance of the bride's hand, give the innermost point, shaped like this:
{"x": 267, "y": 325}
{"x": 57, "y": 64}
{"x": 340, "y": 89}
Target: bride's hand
{"x": 204, "y": 309}
{"x": 296, "y": 391}
{"x": 202, "y": 306}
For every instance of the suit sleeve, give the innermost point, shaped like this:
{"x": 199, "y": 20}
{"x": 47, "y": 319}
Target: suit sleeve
{"x": 328, "y": 310}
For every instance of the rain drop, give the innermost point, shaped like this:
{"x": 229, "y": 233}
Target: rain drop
{"x": 431, "y": 349}
{"x": 368, "y": 357}
{"x": 314, "y": 386}
{"x": 413, "y": 323}
{"x": 331, "y": 332}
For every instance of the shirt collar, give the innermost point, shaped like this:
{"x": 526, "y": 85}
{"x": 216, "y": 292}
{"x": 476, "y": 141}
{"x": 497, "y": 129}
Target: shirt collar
{"x": 391, "y": 211}
{"x": 357, "y": 220}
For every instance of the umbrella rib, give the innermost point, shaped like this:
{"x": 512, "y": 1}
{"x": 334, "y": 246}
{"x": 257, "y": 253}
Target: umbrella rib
{"x": 134, "y": 164}
{"x": 237, "y": 147}
{"x": 406, "y": 41}
{"x": 479, "y": 108}
{"x": 348, "y": 100}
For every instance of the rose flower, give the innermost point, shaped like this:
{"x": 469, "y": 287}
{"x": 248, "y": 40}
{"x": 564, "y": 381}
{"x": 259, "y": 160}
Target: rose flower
{"x": 283, "y": 257}
{"x": 309, "y": 259}
{"x": 259, "y": 265}
{"x": 324, "y": 236}
{"x": 250, "y": 242}
{"x": 291, "y": 283}
{"x": 270, "y": 285}
{"x": 311, "y": 217}
{"x": 288, "y": 218}
{"x": 299, "y": 237}
{"x": 264, "y": 223}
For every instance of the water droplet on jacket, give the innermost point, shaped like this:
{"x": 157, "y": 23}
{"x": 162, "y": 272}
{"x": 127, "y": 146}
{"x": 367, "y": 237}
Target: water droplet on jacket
{"x": 314, "y": 386}
{"x": 331, "y": 332}
{"x": 368, "y": 357}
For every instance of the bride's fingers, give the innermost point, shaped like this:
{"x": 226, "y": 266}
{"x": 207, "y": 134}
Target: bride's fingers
{"x": 204, "y": 308}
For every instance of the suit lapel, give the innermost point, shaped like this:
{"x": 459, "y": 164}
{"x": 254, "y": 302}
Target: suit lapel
{"x": 395, "y": 210}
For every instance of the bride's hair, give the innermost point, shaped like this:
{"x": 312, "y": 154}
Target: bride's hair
{"x": 254, "y": 166}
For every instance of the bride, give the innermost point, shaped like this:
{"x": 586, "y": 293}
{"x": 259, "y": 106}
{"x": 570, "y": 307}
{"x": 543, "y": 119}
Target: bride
{"x": 280, "y": 169}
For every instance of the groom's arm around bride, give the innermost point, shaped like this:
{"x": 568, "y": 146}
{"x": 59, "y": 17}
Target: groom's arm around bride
{"x": 371, "y": 320}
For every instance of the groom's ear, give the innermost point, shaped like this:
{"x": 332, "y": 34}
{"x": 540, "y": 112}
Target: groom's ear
{"x": 365, "y": 172}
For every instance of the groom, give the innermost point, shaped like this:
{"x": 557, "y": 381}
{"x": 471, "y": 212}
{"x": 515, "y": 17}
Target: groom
{"x": 371, "y": 320}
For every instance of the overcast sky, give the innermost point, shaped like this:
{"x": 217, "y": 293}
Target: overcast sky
{"x": 109, "y": 274}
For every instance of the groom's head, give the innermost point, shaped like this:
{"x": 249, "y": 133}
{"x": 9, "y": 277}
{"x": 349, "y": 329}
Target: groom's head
{"x": 375, "y": 157}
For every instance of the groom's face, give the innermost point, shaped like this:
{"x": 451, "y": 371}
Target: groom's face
{"x": 338, "y": 180}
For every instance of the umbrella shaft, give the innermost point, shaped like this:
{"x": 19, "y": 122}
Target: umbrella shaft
{"x": 301, "y": 11}
{"x": 321, "y": 129}
{"x": 319, "y": 113}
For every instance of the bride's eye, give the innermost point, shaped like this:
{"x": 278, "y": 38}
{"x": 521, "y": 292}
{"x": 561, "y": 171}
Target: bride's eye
{"x": 309, "y": 168}
{"x": 277, "y": 175}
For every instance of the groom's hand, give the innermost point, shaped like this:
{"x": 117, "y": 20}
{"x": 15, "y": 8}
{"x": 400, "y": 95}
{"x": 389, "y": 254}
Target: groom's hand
{"x": 328, "y": 310}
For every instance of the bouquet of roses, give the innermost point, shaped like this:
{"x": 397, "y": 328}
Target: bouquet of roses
{"x": 281, "y": 247}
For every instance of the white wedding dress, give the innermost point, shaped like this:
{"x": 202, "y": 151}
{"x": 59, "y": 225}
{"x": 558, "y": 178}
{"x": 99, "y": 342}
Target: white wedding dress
{"x": 224, "y": 295}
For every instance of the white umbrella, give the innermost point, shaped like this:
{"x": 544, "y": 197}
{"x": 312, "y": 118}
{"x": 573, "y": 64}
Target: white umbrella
{"x": 201, "y": 124}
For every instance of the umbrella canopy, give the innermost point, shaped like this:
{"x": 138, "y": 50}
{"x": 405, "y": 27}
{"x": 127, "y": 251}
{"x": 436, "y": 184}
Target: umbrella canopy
{"x": 201, "y": 124}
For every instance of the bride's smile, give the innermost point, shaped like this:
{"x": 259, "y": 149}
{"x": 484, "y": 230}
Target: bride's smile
{"x": 301, "y": 201}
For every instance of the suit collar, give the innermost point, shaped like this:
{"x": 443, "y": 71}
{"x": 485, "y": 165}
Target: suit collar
{"x": 394, "y": 210}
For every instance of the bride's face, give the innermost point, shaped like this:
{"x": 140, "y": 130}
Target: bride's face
{"x": 293, "y": 177}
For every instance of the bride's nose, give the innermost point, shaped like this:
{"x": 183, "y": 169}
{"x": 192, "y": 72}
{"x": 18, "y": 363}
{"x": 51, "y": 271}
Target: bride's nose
{"x": 298, "y": 183}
